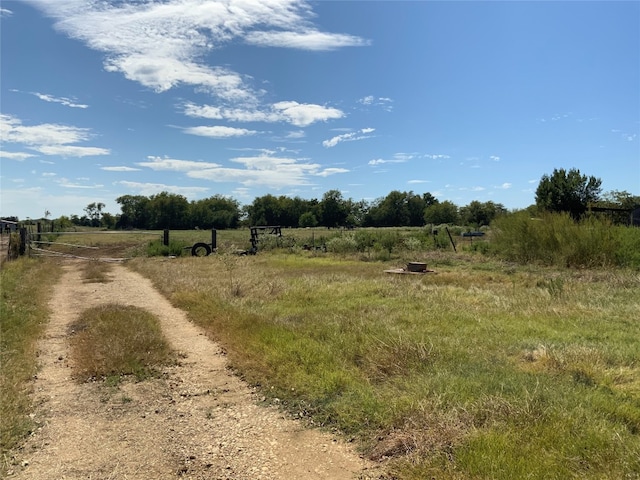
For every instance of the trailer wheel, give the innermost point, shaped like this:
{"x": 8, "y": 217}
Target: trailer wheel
{"x": 200, "y": 250}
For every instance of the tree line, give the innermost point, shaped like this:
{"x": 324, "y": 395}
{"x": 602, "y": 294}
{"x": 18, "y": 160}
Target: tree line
{"x": 563, "y": 191}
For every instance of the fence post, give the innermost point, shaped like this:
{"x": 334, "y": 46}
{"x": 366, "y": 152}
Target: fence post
{"x": 213, "y": 239}
{"x": 39, "y": 230}
{"x": 23, "y": 241}
{"x": 165, "y": 238}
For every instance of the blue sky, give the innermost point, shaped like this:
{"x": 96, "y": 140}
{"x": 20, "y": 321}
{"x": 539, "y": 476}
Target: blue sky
{"x": 465, "y": 100}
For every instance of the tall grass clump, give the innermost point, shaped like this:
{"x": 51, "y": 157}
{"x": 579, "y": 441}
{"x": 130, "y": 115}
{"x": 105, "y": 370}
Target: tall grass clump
{"x": 25, "y": 288}
{"x": 116, "y": 340}
{"x": 557, "y": 239}
{"x": 177, "y": 248}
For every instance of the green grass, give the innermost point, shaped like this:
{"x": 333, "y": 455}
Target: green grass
{"x": 481, "y": 370}
{"x": 25, "y": 286}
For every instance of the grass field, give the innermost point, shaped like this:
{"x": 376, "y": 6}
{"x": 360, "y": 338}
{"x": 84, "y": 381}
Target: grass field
{"x": 479, "y": 370}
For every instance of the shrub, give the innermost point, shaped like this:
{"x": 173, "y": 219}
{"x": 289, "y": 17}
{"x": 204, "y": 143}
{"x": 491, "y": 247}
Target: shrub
{"x": 556, "y": 239}
{"x": 342, "y": 244}
{"x": 157, "y": 249}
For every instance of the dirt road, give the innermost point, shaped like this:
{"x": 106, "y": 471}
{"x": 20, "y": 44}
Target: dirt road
{"x": 195, "y": 422}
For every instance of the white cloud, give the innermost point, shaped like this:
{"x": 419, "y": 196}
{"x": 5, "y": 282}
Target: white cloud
{"x": 383, "y": 102}
{"x": 162, "y": 44}
{"x": 437, "y": 156}
{"x": 120, "y": 169}
{"x": 331, "y": 171}
{"x": 264, "y": 169}
{"x": 505, "y": 186}
{"x": 348, "y": 137}
{"x": 297, "y": 134}
{"x": 397, "y": 158}
{"x": 495, "y": 158}
{"x": 306, "y": 40}
{"x": 298, "y": 114}
{"x": 48, "y": 138}
{"x": 219, "y": 131}
{"x": 62, "y": 100}
{"x": 304, "y": 114}
{"x": 418, "y": 181}
{"x": 175, "y": 165}
{"x": 66, "y": 183}
{"x": 15, "y": 155}
{"x": 71, "y": 150}
{"x": 148, "y": 189}
{"x": 5, "y": 12}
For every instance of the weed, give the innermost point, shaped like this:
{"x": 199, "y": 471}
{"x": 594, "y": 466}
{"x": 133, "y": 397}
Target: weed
{"x": 113, "y": 340}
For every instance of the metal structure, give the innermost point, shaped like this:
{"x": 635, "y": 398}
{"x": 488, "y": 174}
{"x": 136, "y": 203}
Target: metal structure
{"x": 260, "y": 231}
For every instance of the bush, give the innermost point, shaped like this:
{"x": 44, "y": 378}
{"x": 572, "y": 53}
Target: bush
{"x": 176, "y": 248}
{"x": 556, "y": 239}
{"x": 342, "y": 244}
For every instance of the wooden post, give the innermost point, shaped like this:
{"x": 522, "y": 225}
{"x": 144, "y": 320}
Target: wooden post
{"x": 165, "y": 238}
{"x": 214, "y": 235}
{"x": 39, "y": 230}
{"x": 23, "y": 241}
{"x": 451, "y": 239}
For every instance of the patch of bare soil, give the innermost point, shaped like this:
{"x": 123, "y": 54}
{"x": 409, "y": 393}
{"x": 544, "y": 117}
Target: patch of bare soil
{"x": 197, "y": 421}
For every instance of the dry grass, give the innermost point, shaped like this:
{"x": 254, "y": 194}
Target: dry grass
{"x": 449, "y": 374}
{"x": 95, "y": 272}
{"x": 25, "y": 287}
{"x": 116, "y": 340}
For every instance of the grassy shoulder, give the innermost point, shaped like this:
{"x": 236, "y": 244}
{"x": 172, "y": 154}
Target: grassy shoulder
{"x": 25, "y": 286}
{"x": 480, "y": 370}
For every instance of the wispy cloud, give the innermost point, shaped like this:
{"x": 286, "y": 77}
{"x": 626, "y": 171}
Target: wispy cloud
{"x": 495, "y": 158}
{"x": 629, "y": 137}
{"x": 297, "y": 114}
{"x": 71, "y": 150}
{"x": 397, "y": 158}
{"x": 265, "y": 169}
{"x": 348, "y": 137}
{"x": 556, "y": 117}
{"x": 148, "y": 189}
{"x": 120, "y": 169}
{"x": 67, "y": 102}
{"x": 162, "y": 44}
{"x": 219, "y": 131}
{"x": 305, "y": 40}
{"x": 15, "y": 155}
{"x": 66, "y": 183}
{"x": 48, "y": 138}
{"x": 5, "y": 12}
{"x": 383, "y": 102}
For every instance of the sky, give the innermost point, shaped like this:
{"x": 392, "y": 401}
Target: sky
{"x": 468, "y": 101}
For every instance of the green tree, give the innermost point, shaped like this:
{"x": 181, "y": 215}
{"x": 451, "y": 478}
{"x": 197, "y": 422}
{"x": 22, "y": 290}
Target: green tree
{"x": 567, "y": 191}
{"x": 94, "y": 213}
{"x": 214, "y": 212}
{"x": 441, "y": 212}
{"x": 308, "y": 219}
{"x": 334, "y": 209}
{"x": 135, "y": 212}
{"x": 168, "y": 210}
{"x": 478, "y": 213}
